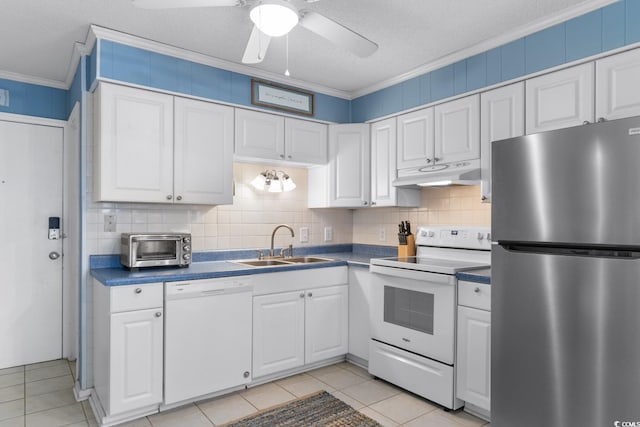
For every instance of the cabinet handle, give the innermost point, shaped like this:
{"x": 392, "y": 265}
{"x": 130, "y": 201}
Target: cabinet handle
{"x": 246, "y": 374}
{"x": 428, "y": 160}
{"x": 586, "y": 122}
{"x": 484, "y": 198}
{"x": 179, "y": 198}
{"x": 138, "y": 291}
{"x": 601, "y": 119}
{"x": 476, "y": 290}
{"x": 310, "y": 294}
{"x": 158, "y": 314}
{"x": 436, "y": 159}
{"x": 169, "y": 197}
{"x": 282, "y": 156}
{"x": 373, "y": 203}
{"x": 302, "y": 295}
{"x": 365, "y": 203}
{"x": 289, "y": 157}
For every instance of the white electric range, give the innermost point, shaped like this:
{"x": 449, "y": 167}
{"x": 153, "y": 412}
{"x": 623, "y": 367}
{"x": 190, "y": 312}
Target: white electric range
{"x": 413, "y": 310}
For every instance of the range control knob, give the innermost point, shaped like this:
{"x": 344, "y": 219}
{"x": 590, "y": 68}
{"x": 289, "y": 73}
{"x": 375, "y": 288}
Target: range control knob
{"x": 186, "y": 248}
{"x": 430, "y": 233}
{"x": 480, "y": 236}
{"x": 489, "y": 236}
{"x": 186, "y": 256}
{"x": 187, "y": 239}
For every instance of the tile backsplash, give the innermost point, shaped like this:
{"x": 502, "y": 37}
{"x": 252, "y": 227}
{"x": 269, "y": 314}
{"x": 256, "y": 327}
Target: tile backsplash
{"x": 248, "y": 223}
{"x": 455, "y": 205}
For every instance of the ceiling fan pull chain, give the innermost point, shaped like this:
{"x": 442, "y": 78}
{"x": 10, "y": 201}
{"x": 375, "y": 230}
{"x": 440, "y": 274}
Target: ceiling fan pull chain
{"x": 286, "y": 72}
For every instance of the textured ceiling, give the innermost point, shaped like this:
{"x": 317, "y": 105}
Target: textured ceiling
{"x": 37, "y": 36}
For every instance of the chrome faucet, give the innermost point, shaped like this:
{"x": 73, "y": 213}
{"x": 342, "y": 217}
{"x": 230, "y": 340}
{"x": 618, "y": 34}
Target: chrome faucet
{"x": 273, "y": 234}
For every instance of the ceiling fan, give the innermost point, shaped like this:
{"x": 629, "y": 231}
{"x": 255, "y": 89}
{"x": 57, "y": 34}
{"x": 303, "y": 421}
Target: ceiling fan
{"x": 275, "y": 18}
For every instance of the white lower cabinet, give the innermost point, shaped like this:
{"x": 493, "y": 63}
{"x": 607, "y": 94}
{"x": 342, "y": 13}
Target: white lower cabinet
{"x": 127, "y": 351}
{"x": 473, "y": 381}
{"x": 301, "y": 327}
{"x": 359, "y": 298}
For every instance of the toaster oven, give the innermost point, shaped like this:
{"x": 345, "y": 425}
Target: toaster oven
{"x": 155, "y": 249}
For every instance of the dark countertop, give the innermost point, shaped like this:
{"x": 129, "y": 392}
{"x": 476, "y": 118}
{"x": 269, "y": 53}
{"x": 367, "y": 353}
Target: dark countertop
{"x": 114, "y": 275}
{"x": 477, "y": 276}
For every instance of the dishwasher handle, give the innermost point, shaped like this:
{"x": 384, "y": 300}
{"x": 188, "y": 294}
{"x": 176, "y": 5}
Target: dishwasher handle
{"x": 205, "y": 288}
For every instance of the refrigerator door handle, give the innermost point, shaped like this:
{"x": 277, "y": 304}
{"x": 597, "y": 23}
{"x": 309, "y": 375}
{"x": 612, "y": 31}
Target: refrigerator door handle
{"x": 593, "y": 252}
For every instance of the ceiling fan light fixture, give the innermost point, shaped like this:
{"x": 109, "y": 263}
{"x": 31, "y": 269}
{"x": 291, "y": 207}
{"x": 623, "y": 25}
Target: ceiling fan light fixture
{"x": 274, "y": 18}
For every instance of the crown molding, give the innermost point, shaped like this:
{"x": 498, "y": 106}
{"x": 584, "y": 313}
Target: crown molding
{"x": 176, "y": 52}
{"x": 530, "y": 28}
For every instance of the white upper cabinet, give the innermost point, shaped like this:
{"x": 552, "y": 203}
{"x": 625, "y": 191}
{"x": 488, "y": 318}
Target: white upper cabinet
{"x": 618, "y": 86}
{"x": 457, "y": 130}
{"x": 133, "y": 155}
{"x": 259, "y": 135}
{"x": 203, "y": 162}
{"x": 415, "y": 138}
{"x": 305, "y": 141}
{"x": 349, "y": 163}
{"x": 270, "y": 137}
{"x": 147, "y": 150}
{"x": 383, "y": 168}
{"x": 501, "y": 117}
{"x": 560, "y": 99}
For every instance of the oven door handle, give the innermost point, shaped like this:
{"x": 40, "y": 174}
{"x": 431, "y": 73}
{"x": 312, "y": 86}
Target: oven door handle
{"x": 405, "y": 273}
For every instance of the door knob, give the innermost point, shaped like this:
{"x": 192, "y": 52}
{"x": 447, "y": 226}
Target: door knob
{"x": 54, "y": 255}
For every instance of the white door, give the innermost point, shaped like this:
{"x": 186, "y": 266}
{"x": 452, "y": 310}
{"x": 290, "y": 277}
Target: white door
{"x": 383, "y": 162}
{"x": 457, "y": 130}
{"x": 617, "y": 86}
{"x": 501, "y": 117}
{"x": 203, "y": 154}
{"x": 305, "y": 141}
{"x": 327, "y": 323}
{"x": 30, "y": 279}
{"x": 136, "y": 359}
{"x": 349, "y": 164}
{"x": 415, "y": 139}
{"x": 474, "y": 357}
{"x": 560, "y": 99}
{"x": 278, "y": 332}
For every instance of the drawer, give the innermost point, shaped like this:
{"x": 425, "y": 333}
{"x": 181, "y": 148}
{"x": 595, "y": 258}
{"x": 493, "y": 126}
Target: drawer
{"x": 475, "y": 295}
{"x": 136, "y": 297}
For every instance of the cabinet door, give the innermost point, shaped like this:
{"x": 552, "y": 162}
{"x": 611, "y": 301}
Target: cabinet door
{"x": 134, "y": 145}
{"x": 501, "y": 116}
{"x": 457, "y": 130}
{"x": 359, "y": 300}
{"x": 383, "y": 162}
{"x": 415, "y": 139}
{"x": 327, "y": 323}
{"x": 259, "y": 135}
{"x": 349, "y": 179}
{"x": 278, "y": 332}
{"x": 560, "y": 99}
{"x": 473, "y": 383}
{"x": 203, "y": 153}
{"x": 136, "y": 360}
{"x": 305, "y": 141}
{"x": 618, "y": 86}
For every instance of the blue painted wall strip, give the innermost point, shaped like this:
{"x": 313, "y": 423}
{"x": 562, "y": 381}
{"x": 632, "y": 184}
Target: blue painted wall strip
{"x": 35, "y": 100}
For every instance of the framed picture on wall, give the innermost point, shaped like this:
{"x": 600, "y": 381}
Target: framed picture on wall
{"x": 281, "y": 97}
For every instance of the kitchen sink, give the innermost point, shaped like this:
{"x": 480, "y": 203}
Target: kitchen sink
{"x": 263, "y": 262}
{"x": 307, "y": 259}
{"x": 282, "y": 261}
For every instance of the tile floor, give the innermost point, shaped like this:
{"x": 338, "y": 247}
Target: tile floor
{"x": 41, "y": 395}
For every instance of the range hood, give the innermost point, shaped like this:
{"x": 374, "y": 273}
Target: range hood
{"x": 458, "y": 173}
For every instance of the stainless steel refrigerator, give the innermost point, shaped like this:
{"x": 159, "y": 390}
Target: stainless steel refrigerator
{"x": 566, "y": 277}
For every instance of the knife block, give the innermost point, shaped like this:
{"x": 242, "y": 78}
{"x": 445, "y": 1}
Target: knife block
{"x": 409, "y": 249}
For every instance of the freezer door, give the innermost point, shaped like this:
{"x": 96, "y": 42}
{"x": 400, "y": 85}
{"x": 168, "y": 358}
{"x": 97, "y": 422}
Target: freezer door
{"x": 565, "y": 340}
{"x": 577, "y": 185}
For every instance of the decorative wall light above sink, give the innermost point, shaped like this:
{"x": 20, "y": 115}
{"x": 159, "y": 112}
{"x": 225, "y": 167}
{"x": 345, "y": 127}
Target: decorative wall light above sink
{"x": 273, "y": 181}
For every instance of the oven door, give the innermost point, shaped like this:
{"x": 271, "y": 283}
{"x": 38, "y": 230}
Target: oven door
{"x": 414, "y": 310}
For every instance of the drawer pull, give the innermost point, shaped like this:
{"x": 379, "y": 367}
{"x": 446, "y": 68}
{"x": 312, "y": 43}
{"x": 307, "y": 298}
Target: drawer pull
{"x": 158, "y": 314}
{"x": 138, "y": 291}
{"x": 476, "y": 290}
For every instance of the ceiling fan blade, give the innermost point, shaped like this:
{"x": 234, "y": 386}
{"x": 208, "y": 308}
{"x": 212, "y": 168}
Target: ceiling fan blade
{"x": 176, "y": 4}
{"x": 337, "y": 33}
{"x": 256, "y": 47}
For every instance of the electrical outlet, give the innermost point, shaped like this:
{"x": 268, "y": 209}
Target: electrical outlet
{"x": 109, "y": 223}
{"x": 304, "y": 234}
{"x": 328, "y": 234}
{"x": 382, "y": 235}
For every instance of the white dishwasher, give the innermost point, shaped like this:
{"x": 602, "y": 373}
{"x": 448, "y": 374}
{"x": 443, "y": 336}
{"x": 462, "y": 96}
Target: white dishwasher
{"x": 207, "y": 336}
